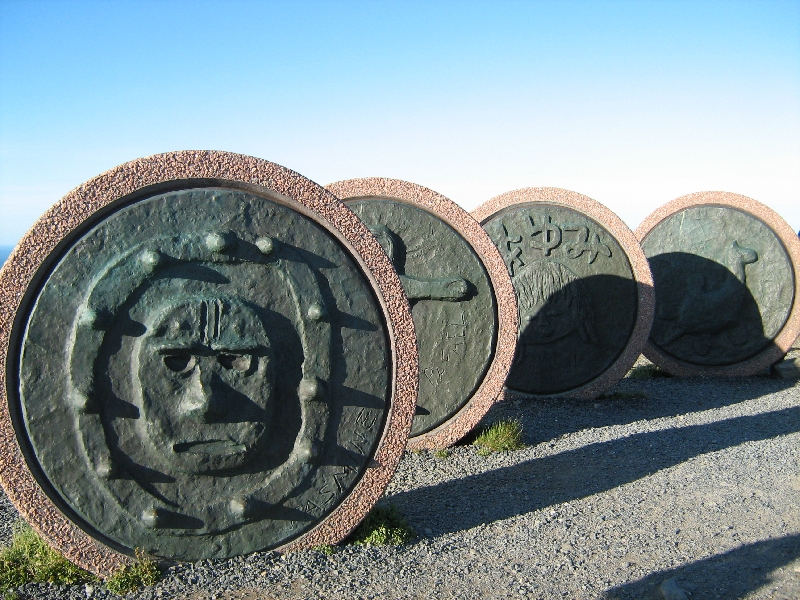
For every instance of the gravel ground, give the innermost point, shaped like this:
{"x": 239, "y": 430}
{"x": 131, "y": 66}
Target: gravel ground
{"x": 690, "y": 490}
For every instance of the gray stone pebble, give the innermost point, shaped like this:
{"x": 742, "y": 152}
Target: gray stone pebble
{"x": 693, "y": 487}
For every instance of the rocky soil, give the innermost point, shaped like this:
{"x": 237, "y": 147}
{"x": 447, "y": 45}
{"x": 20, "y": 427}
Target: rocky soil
{"x": 668, "y": 489}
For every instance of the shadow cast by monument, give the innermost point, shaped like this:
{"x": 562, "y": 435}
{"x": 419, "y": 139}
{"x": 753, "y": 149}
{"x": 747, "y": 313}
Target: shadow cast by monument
{"x": 576, "y": 474}
{"x": 572, "y": 330}
{"x": 727, "y": 576}
{"x": 703, "y": 308}
{"x": 705, "y": 313}
{"x": 647, "y": 400}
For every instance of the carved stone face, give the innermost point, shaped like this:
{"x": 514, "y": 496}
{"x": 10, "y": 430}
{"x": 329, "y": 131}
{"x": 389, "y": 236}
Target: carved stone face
{"x": 202, "y": 374}
{"x": 207, "y": 384}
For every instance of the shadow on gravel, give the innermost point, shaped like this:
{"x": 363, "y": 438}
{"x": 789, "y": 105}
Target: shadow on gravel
{"x": 548, "y": 418}
{"x": 535, "y": 484}
{"x": 728, "y": 576}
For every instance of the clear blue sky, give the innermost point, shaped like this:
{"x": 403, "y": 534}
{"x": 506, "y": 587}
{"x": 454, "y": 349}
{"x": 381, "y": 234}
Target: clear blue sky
{"x": 632, "y": 103}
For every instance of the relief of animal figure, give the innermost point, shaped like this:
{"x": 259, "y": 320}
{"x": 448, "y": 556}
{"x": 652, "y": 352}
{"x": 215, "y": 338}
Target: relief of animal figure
{"x": 701, "y": 299}
{"x": 448, "y": 289}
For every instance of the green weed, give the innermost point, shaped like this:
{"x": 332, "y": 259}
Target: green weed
{"x": 647, "y": 372}
{"x": 326, "y": 549}
{"x": 441, "y": 453}
{"x": 500, "y": 437}
{"x": 29, "y": 559}
{"x": 384, "y": 526}
{"x": 129, "y": 578}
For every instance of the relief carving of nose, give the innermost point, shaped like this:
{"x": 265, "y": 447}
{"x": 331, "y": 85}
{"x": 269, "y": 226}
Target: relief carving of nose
{"x": 200, "y": 400}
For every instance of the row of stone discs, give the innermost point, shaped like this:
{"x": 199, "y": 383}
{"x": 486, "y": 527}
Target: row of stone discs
{"x": 583, "y": 287}
{"x": 727, "y": 282}
{"x": 724, "y": 286}
{"x": 203, "y": 355}
{"x": 462, "y": 301}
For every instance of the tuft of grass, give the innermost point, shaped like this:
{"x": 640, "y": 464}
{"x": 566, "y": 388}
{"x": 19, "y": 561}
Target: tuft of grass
{"x": 637, "y": 395}
{"x": 441, "y": 453}
{"x": 383, "y": 526}
{"x": 647, "y": 372}
{"x": 501, "y": 436}
{"x": 29, "y": 559}
{"x": 325, "y": 549}
{"x": 130, "y": 578}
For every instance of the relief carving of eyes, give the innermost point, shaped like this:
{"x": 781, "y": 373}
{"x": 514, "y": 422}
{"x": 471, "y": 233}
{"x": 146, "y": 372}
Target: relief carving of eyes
{"x": 236, "y": 362}
{"x": 180, "y": 363}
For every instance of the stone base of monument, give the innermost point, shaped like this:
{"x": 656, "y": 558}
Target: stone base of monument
{"x": 463, "y": 303}
{"x": 202, "y": 355}
{"x": 788, "y": 368}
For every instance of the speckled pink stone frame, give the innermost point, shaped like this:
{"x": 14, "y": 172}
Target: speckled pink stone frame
{"x": 460, "y": 424}
{"x": 788, "y": 237}
{"x": 630, "y": 245}
{"x": 293, "y": 190}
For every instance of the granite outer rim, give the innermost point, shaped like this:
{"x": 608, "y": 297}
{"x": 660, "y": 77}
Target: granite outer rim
{"x": 300, "y": 194}
{"x": 460, "y": 424}
{"x": 639, "y": 266}
{"x": 787, "y": 236}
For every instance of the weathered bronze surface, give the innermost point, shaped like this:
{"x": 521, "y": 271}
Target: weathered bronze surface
{"x": 724, "y": 285}
{"x": 576, "y": 293}
{"x": 216, "y": 367}
{"x": 451, "y": 301}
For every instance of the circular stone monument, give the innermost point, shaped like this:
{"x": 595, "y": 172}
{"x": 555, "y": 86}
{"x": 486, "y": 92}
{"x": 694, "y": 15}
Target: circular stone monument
{"x": 462, "y": 301}
{"x": 583, "y": 288}
{"x": 207, "y": 355}
{"x": 726, "y": 280}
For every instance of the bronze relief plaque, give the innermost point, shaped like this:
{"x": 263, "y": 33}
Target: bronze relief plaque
{"x": 451, "y": 302}
{"x": 725, "y": 284}
{"x": 458, "y": 289}
{"x": 581, "y": 300}
{"x": 203, "y": 372}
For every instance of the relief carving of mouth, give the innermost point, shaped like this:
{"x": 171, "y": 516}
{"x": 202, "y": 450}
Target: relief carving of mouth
{"x": 210, "y": 447}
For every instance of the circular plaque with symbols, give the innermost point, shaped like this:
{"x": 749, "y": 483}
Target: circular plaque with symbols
{"x": 461, "y": 299}
{"x": 211, "y": 357}
{"x": 726, "y": 280}
{"x": 583, "y": 289}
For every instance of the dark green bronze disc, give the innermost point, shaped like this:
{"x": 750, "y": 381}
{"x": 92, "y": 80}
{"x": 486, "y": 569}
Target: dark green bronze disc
{"x": 576, "y": 293}
{"x": 451, "y": 302}
{"x": 220, "y": 366}
{"x": 724, "y": 285}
